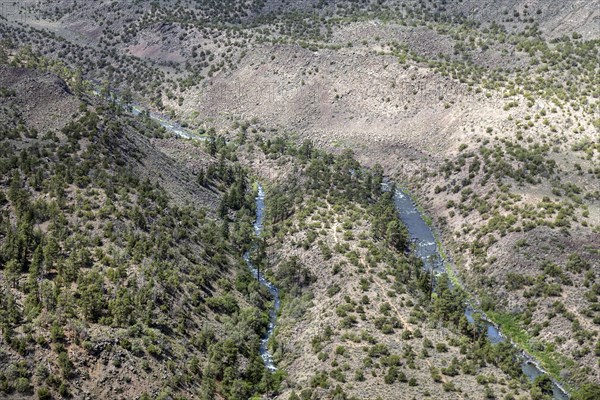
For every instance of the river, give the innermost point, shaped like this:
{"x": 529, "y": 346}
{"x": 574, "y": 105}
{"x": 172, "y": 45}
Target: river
{"x": 421, "y": 235}
{"x": 258, "y": 228}
{"x": 423, "y": 238}
{"x": 176, "y": 128}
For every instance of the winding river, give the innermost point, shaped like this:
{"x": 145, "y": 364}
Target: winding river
{"x": 426, "y": 248}
{"x": 258, "y": 227}
{"x": 176, "y": 128}
{"x": 421, "y": 235}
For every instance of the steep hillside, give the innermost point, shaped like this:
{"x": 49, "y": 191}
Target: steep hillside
{"x": 109, "y": 285}
{"x": 488, "y": 111}
{"x": 358, "y": 318}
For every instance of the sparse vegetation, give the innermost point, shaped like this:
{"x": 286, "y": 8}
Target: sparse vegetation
{"x": 121, "y": 245}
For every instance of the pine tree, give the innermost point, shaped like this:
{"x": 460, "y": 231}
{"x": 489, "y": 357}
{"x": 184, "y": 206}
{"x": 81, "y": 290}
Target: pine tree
{"x": 51, "y": 252}
{"x": 9, "y": 312}
{"x": 211, "y": 146}
{"x": 12, "y": 271}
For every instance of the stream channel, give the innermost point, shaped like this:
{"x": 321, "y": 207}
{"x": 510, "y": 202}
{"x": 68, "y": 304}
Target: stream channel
{"x": 421, "y": 234}
{"x": 426, "y": 248}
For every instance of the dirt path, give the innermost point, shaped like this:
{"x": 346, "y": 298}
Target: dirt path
{"x": 335, "y": 224}
{"x": 390, "y": 302}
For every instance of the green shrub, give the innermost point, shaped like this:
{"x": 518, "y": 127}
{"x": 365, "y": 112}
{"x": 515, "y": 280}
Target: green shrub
{"x": 44, "y": 394}
{"x": 22, "y": 385}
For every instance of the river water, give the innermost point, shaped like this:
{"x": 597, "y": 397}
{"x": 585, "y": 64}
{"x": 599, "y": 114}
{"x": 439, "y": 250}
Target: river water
{"x": 166, "y": 123}
{"x": 426, "y": 248}
{"x": 179, "y": 130}
{"x": 258, "y": 228}
{"x": 137, "y": 110}
{"x": 420, "y": 233}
